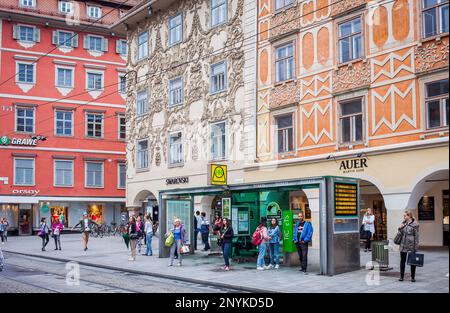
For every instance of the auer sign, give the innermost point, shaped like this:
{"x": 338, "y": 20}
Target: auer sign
{"x": 353, "y": 165}
{"x": 6, "y": 141}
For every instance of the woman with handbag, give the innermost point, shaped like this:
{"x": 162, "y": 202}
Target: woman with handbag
{"x": 369, "y": 228}
{"x": 179, "y": 239}
{"x": 134, "y": 235}
{"x": 43, "y": 233}
{"x": 409, "y": 242}
{"x": 226, "y": 239}
{"x": 57, "y": 227}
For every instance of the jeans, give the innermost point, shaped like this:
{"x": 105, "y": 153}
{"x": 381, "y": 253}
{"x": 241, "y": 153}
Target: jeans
{"x": 2, "y": 236}
{"x": 262, "y": 253}
{"x": 367, "y": 246}
{"x": 57, "y": 241}
{"x": 302, "y": 250}
{"x": 205, "y": 239}
{"x": 403, "y": 256}
{"x": 196, "y": 231}
{"x": 226, "y": 248}
{"x": 274, "y": 253}
{"x": 149, "y": 244}
{"x": 45, "y": 241}
{"x": 175, "y": 246}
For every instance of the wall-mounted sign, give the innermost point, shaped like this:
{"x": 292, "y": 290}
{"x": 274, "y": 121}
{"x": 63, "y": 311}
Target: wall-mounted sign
{"x": 226, "y": 208}
{"x": 345, "y": 199}
{"x": 218, "y": 174}
{"x": 177, "y": 180}
{"x": 426, "y": 209}
{"x": 353, "y": 165}
{"x": 25, "y": 192}
{"x": 6, "y": 141}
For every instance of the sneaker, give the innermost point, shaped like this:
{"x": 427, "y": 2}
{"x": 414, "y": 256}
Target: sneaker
{"x": 365, "y": 250}
{"x": 179, "y": 264}
{"x": 130, "y": 259}
{"x": 85, "y": 249}
{"x": 269, "y": 267}
{"x": 169, "y": 265}
{"x": 277, "y": 266}
{"x": 260, "y": 268}
{"x": 400, "y": 279}
{"x": 305, "y": 272}
{"x": 226, "y": 268}
{"x": 413, "y": 280}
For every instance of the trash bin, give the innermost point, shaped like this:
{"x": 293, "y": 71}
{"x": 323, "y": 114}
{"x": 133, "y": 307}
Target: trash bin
{"x": 380, "y": 253}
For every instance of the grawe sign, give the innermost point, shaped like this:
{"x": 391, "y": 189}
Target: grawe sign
{"x": 6, "y": 141}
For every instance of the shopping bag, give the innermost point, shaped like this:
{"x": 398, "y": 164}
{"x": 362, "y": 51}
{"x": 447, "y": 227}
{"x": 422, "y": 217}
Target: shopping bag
{"x": 415, "y": 259}
{"x": 169, "y": 240}
{"x": 184, "y": 249}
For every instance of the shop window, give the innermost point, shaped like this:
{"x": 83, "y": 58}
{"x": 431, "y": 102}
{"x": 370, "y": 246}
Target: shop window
{"x": 284, "y": 62}
{"x": 280, "y": 4}
{"x": 142, "y": 45}
{"x": 95, "y": 212}
{"x": 142, "y": 154}
{"x": 94, "y": 174}
{"x": 94, "y": 125}
{"x": 25, "y": 120}
{"x": 63, "y": 173}
{"x": 23, "y": 172}
{"x": 436, "y": 103}
{"x": 122, "y": 127}
{"x": 218, "y": 81}
{"x": 218, "y": 141}
{"x": 25, "y": 73}
{"x": 175, "y": 149}
{"x": 64, "y": 123}
{"x": 350, "y": 40}
{"x": 351, "y": 121}
{"x": 176, "y": 91}
{"x": 142, "y": 102}
{"x": 175, "y": 29}
{"x": 219, "y": 13}
{"x": 60, "y": 213}
{"x": 435, "y": 17}
{"x": 285, "y": 133}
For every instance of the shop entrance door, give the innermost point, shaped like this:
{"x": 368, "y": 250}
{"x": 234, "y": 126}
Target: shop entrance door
{"x": 25, "y": 221}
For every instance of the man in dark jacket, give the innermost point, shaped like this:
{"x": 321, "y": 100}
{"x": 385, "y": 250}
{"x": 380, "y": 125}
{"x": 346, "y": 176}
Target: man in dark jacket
{"x": 303, "y": 232}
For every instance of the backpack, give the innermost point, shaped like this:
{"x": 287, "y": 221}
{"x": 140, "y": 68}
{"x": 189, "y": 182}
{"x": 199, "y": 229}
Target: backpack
{"x": 257, "y": 237}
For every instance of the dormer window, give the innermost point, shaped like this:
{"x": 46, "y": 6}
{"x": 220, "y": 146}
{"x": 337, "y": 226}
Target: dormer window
{"x": 94, "y": 12}
{"x": 28, "y": 3}
{"x": 65, "y": 7}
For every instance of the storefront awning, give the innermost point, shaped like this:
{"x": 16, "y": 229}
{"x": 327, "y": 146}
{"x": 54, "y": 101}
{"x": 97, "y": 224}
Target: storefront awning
{"x": 13, "y": 199}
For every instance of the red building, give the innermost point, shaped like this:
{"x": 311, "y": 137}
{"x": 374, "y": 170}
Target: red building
{"x": 62, "y": 111}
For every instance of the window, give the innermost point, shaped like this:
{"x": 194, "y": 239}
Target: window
{"x": 25, "y": 73}
{"x": 26, "y": 33}
{"x": 64, "y": 77}
{"x": 25, "y": 120}
{"x": 142, "y": 154}
{"x": 285, "y": 133}
{"x": 94, "y": 125}
{"x": 175, "y": 149}
{"x": 437, "y": 104}
{"x": 122, "y": 84}
{"x": 176, "y": 91}
{"x": 65, "y": 7}
{"x": 141, "y": 103}
{"x": 122, "y": 173}
{"x": 279, "y": 4}
{"x": 218, "y": 77}
{"x": 94, "y": 81}
{"x": 94, "y": 174}
{"x": 351, "y": 121}
{"x": 65, "y": 39}
{"x": 122, "y": 127}
{"x": 142, "y": 45}
{"x": 64, "y": 123}
{"x": 284, "y": 62}
{"x": 218, "y": 12}
{"x": 27, "y": 3}
{"x": 63, "y": 173}
{"x": 121, "y": 47}
{"x": 350, "y": 40}
{"x": 94, "y": 12}
{"x": 24, "y": 172}
{"x": 435, "y": 17}
{"x": 218, "y": 141}
{"x": 95, "y": 43}
{"x": 175, "y": 29}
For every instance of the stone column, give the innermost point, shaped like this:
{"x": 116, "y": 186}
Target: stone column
{"x": 396, "y": 204}
{"x": 313, "y": 201}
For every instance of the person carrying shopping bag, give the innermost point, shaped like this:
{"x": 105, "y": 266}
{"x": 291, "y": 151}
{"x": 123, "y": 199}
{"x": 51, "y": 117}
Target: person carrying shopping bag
{"x": 179, "y": 239}
{"x": 57, "y": 228}
{"x": 44, "y": 230}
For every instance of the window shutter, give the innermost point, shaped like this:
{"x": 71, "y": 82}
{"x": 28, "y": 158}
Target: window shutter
{"x": 75, "y": 41}
{"x": 118, "y": 46}
{"x": 104, "y": 44}
{"x": 16, "y": 31}
{"x": 37, "y": 35}
{"x": 86, "y": 42}
{"x": 55, "y": 37}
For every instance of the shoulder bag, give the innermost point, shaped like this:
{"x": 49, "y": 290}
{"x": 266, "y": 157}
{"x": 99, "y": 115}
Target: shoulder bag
{"x": 398, "y": 238}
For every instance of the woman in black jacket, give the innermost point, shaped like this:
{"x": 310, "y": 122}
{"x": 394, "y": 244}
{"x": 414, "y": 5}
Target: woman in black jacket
{"x": 227, "y": 238}
{"x": 134, "y": 237}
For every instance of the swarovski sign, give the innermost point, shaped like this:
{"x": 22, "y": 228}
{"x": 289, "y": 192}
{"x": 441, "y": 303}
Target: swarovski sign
{"x": 6, "y": 141}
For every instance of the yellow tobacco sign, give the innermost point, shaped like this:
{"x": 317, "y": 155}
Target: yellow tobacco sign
{"x": 218, "y": 174}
